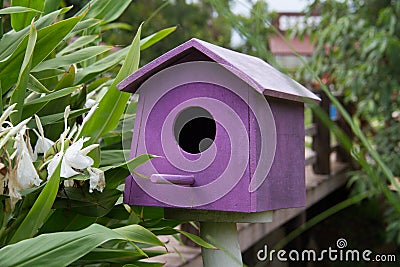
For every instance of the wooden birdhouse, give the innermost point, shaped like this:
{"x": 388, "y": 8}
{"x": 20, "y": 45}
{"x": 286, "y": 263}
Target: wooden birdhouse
{"x": 228, "y": 129}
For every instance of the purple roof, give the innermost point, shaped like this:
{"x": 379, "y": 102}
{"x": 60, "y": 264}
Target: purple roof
{"x": 257, "y": 73}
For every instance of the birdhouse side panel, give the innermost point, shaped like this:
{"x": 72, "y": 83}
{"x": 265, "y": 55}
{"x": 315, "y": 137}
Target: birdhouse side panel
{"x": 284, "y": 186}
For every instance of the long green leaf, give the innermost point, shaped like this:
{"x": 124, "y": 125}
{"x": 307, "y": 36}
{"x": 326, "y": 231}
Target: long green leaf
{"x": 34, "y": 106}
{"x": 112, "y": 60}
{"x": 156, "y": 37}
{"x": 78, "y": 43}
{"x": 101, "y": 255}
{"x": 17, "y": 9}
{"x": 196, "y": 239}
{"x": 137, "y": 233}
{"x": 85, "y": 74}
{"x": 113, "y": 10}
{"x": 94, "y": 204}
{"x": 106, "y": 10}
{"x": 40, "y": 210}
{"x": 11, "y": 39}
{"x": 20, "y": 21}
{"x": 72, "y": 58}
{"x": 51, "y": 5}
{"x": 47, "y": 40}
{"x": 18, "y": 95}
{"x": 64, "y": 247}
{"x": 36, "y": 86}
{"x": 52, "y": 96}
{"x": 58, "y": 117}
{"x": 112, "y": 104}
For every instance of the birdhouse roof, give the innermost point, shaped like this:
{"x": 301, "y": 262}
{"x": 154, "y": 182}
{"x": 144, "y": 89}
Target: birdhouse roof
{"x": 261, "y": 76}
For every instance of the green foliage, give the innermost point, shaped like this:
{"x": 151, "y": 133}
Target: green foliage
{"x": 53, "y": 65}
{"x": 196, "y": 19}
{"x": 62, "y": 249}
{"x": 357, "y": 46}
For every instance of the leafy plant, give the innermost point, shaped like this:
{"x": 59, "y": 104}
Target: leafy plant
{"x": 61, "y": 114}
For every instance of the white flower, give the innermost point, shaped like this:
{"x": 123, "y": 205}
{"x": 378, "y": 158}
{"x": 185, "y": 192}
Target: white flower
{"x": 26, "y": 172}
{"x": 13, "y": 131}
{"x": 13, "y": 187}
{"x": 6, "y": 113}
{"x": 74, "y": 159}
{"x": 53, "y": 163}
{"x": 97, "y": 180}
{"x": 43, "y": 145}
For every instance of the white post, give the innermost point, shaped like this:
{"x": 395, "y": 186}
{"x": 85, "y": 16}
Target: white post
{"x": 224, "y": 236}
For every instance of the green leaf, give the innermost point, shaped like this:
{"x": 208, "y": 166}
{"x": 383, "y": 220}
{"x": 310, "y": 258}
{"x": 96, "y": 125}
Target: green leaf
{"x": 78, "y": 43}
{"x": 47, "y": 40}
{"x": 64, "y": 247}
{"x": 58, "y": 117}
{"x": 66, "y": 220}
{"x": 132, "y": 164}
{"x": 97, "y": 84}
{"x": 51, "y": 5}
{"x": 52, "y": 96}
{"x": 87, "y": 73}
{"x": 106, "y": 10}
{"x": 17, "y": 9}
{"x": 40, "y": 210}
{"x": 112, "y": 60}
{"x": 196, "y": 239}
{"x": 48, "y": 74}
{"x": 20, "y": 21}
{"x": 113, "y": 10}
{"x": 11, "y": 39}
{"x": 116, "y": 25}
{"x": 156, "y": 37}
{"x": 34, "y": 106}
{"x": 18, "y": 95}
{"x": 67, "y": 80}
{"x": 83, "y": 25}
{"x": 137, "y": 233}
{"x": 94, "y": 204}
{"x": 102, "y": 255}
{"x": 112, "y": 157}
{"x": 73, "y": 58}
{"x": 112, "y": 104}
{"x": 36, "y": 86}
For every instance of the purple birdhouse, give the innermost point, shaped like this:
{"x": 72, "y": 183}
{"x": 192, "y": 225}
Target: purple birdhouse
{"x": 228, "y": 129}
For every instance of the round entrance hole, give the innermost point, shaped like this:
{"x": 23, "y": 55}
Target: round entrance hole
{"x": 194, "y": 130}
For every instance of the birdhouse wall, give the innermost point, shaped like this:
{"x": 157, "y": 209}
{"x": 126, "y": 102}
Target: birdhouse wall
{"x": 284, "y": 186}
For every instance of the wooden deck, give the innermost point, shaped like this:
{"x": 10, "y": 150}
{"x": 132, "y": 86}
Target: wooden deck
{"x": 318, "y": 187}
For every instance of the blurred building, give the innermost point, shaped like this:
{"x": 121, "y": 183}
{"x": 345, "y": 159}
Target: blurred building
{"x": 283, "y": 49}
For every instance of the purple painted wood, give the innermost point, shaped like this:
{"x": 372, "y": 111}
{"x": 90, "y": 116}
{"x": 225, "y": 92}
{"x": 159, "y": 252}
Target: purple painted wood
{"x": 285, "y": 184}
{"x": 250, "y": 134}
{"x": 261, "y": 76}
{"x": 152, "y": 144}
